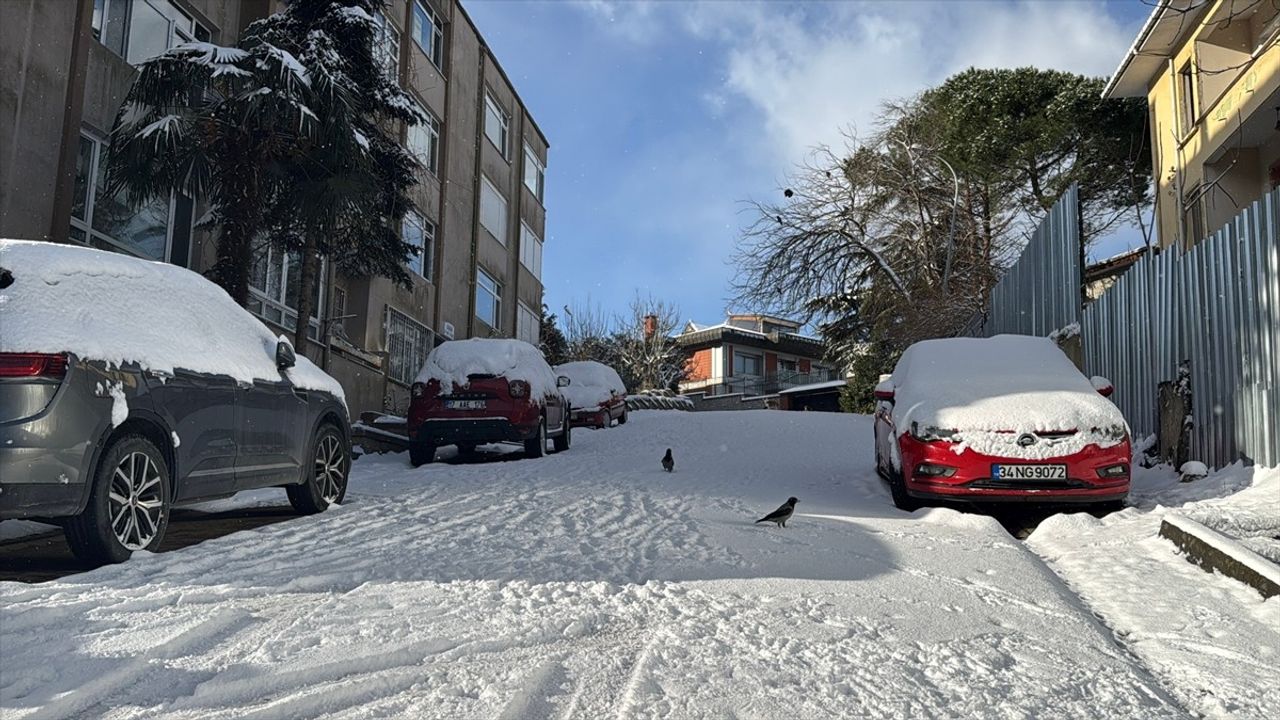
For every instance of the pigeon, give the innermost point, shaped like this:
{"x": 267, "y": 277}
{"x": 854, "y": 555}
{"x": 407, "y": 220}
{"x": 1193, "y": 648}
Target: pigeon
{"x": 668, "y": 462}
{"x": 782, "y": 514}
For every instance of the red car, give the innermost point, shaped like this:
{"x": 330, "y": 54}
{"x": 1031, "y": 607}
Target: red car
{"x": 596, "y": 392}
{"x": 477, "y": 391}
{"x": 1002, "y": 419}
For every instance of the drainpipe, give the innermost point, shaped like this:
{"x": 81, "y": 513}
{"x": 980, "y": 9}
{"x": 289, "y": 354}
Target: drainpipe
{"x": 475, "y": 195}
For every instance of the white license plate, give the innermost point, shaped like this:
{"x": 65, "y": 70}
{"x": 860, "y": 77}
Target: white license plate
{"x": 1029, "y": 472}
{"x": 464, "y": 404}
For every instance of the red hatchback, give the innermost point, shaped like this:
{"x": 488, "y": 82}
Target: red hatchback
{"x": 999, "y": 419}
{"x": 477, "y": 391}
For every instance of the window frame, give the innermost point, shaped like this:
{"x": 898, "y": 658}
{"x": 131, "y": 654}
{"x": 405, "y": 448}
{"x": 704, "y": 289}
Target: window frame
{"x": 422, "y": 12}
{"x": 493, "y": 107}
{"x": 433, "y": 131}
{"x": 759, "y": 364}
{"x": 526, "y": 317}
{"x": 385, "y": 30}
{"x": 530, "y": 252}
{"x": 101, "y": 18}
{"x": 426, "y": 254}
{"x": 261, "y": 303}
{"x": 98, "y": 238}
{"x": 495, "y": 292}
{"x": 540, "y": 176}
{"x": 404, "y": 370}
{"x": 500, "y": 236}
{"x": 1188, "y": 112}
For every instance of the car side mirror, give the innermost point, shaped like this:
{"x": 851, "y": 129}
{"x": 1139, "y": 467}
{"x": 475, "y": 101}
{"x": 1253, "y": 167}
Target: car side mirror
{"x": 285, "y": 357}
{"x": 562, "y": 381}
{"x": 884, "y": 391}
{"x": 1102, "y": 385}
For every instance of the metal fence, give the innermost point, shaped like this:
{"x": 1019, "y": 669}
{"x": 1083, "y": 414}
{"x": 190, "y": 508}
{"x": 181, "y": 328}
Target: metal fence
{"x": 1217, "y": 306}
{"x": 1041, "y": 292}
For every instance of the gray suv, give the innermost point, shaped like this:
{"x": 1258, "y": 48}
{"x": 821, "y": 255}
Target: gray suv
{"x": 107, "y": 448}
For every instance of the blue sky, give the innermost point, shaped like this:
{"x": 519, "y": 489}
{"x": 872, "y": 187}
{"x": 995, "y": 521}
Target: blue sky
{"x": 665, "y": 116}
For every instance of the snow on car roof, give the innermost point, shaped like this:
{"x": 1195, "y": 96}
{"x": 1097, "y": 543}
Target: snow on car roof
{"x": 591, "y": 383}
{"x": 1007, "y": 383}
{"x": 118, "y": 309}
{"x": 453, "y": 361}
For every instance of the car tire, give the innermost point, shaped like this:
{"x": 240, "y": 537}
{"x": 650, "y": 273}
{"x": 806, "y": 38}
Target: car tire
{"x": 622, "y": 419}
{"x": 421, "y": 453}
{"x": 898, "y": 489}
{"x": 561, "y": 441}
{"x": 536, "y": 446}
{"x": 326, "y": 482}
{"x": 131, "y": 485}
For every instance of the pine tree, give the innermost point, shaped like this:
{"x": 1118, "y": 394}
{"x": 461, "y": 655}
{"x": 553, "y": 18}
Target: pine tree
{"x": 553, "y": 344}
{"x": 286, "y": 136}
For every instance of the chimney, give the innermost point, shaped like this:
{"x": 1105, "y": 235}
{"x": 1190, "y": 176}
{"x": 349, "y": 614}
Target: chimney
{"x": 650, "y": 326}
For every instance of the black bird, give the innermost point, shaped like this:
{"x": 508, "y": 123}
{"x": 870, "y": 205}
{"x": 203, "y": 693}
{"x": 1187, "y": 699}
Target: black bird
{"x": 668, "y": 462}
{"x": 782, "y": 514}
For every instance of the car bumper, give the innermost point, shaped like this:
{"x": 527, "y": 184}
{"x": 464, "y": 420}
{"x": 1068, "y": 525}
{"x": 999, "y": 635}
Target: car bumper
{"x": 453, "y": 431}
{"x": 40, "y": 482}
{"x": 972, "y": 479}
{"x": 598, "y": 417}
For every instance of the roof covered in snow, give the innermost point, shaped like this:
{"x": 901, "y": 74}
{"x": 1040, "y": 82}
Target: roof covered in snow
{"x": 118, "y": 309}
{"x": 456, "y": 360}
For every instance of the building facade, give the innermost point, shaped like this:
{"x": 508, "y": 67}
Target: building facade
{"x": 478, "y": 218}
{"x": 1210, "y": 70}
{"x": 751, "y": 354}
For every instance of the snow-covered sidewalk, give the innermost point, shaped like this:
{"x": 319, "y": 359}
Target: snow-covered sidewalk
{"x": 587, "y": 584}
{"x": 1211, "y": 640}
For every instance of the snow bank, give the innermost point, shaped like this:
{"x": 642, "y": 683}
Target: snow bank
{"x": 590, "y": 383}
{"x": 454, "y": 361}
{"x": 992, "y": 390}
{"x": 118, "y": 309}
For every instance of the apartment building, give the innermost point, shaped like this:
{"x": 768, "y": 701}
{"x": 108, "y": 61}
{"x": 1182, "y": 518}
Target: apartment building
{"x": 478, "y": 217}
{"x": 1210, "y": 70}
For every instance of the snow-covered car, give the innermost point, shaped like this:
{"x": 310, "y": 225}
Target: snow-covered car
{"x": 595, "y": 392}
{"x": 128, "y": 387}
{"x": 477, "y": 391}
{"x": 1007, "y": 418}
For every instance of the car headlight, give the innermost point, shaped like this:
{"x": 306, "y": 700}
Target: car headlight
{"x": 929, "y": 434}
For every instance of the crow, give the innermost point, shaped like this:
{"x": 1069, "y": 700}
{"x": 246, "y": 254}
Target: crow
{"x": 782, "y": 514}
{"x": 668, "y": 462}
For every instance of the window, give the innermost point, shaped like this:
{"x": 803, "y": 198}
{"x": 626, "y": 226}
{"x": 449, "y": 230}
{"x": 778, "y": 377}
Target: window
{"x": 386, "y": 45}
{"x": 493, "y": 210}
{"x": 496, "y": 121}
{"x": 274, "y": 282}
{"x": 424, "y": 141}
{"x": 428, "y": 32}
{"x": 1187, "y": 98}
{"x": 531, "y": 251}
{"x": 528, "y": 324}
{"x": 534, "y": 173}
{"x": 788, "y": 367}
{"x": 408, "y": 343}
{"x": 107, "y": 221}
{"x": 140, "y": 29}
{"x": 488, "y": 298}
{"x": 421, "y": 234}
{"x": 744, "y": 364}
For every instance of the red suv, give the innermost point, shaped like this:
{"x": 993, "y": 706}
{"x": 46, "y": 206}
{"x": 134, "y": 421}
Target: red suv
{"x": 477, "y": 391}
{"x": 1007, "y": 418}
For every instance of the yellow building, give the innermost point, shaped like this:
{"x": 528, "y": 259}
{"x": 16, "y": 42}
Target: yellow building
{"x": 1210, "y": 70}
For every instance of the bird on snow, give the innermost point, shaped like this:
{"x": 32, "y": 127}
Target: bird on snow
{"x": 782, "y": 514}
{"x": 668, "y": 462}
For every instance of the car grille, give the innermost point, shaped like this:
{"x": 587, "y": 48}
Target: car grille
{"x": 994, "y": 484}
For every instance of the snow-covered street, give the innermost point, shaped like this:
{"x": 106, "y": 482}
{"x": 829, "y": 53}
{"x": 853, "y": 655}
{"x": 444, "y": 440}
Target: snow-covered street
{"x": 586, "y": 584}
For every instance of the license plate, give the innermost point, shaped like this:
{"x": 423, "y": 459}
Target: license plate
{"x": 1029, "y": 472}
{"x": 464, "y": 404}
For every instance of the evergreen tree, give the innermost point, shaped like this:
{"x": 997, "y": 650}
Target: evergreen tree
{"x": 553, "y": 344}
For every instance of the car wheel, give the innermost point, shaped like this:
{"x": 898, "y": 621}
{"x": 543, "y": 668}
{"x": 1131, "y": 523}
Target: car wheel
{"x": 326, "y": 483}
{"x": 421, "y": 453}
{"x": 622, "y": 419}
{"x": 536, "y": 446}
{"x": 128, "y": 506}
{"x": 561, "y": 442}
{"x": 898, "y": 489}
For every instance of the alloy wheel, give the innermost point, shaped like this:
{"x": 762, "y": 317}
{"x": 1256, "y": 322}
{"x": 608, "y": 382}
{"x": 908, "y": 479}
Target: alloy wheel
{"x": 330, "y": 464}
{"x": 136, "y": 501}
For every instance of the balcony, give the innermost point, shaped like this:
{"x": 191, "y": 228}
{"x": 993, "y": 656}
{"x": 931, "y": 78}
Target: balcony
{"x": 752, "y": 385}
